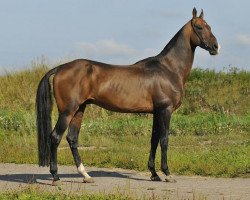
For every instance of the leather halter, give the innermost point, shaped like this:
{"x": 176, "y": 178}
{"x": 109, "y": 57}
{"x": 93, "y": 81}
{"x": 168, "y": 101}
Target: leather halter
{"x": 203, "y": 42}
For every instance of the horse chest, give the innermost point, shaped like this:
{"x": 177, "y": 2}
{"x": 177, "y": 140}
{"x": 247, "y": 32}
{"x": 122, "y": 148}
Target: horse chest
{"x": 168, "y": 96}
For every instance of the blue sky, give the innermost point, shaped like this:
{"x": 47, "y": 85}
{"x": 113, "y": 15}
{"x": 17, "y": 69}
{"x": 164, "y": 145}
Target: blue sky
{"x": 116, "y": 31}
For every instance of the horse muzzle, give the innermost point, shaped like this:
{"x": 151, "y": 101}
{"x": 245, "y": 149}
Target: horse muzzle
{"x": 215, "y": 49}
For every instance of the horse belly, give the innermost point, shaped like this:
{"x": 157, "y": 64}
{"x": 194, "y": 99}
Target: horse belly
{"x": 121, "y": 90}
{"x": 129, "y": 103}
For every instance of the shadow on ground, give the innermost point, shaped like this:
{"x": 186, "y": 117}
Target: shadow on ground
{"x": 34, "y": 178}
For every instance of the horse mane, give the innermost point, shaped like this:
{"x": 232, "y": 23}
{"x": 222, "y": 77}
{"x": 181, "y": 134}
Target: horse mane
{"x": 166, "y": 49}
{"x": 171, "y": 43}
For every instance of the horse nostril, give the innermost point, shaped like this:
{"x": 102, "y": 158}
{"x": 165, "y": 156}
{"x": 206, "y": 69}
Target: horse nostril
{"x": 215, "y": 46}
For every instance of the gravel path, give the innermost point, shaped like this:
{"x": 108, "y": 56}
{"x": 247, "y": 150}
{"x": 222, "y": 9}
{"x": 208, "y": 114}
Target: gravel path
{"x": 137, "y": 184}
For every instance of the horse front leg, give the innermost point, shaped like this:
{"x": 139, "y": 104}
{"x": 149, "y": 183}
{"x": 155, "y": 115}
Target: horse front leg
{"x": 164, "y": 124}
{"x": 154, "y": 143}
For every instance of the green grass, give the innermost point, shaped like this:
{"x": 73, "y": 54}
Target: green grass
{"x": 210, "y": 133}
{"x": 35, "y": 193}
{"x": 124, "y": 142}
{"x": 32, "y": 193}
{"x": 224, "y": 92}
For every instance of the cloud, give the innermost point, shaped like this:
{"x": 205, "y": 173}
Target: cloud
{"x": 243, "y": 39}
{"x": 107, "y": 47}
{"x": 152, "y": 33}
{"x": 109, "y": 50}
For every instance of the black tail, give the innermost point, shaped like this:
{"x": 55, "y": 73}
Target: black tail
{"x": 43, "y": 110}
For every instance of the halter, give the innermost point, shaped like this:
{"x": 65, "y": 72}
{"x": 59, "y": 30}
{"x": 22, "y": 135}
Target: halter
{"x": 203, "y": 42}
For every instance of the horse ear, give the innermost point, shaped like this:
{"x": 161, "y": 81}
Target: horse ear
{"x": 194, "y": 12}
{"x": 202, "y": 14}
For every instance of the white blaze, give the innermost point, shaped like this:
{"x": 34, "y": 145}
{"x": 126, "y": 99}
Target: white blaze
{"x": 219, "y": 47}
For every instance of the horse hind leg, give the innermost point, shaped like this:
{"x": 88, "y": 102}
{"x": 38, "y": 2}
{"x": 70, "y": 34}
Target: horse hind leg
{"x": 55, "y": 138}
{"x": 72, "y": 138}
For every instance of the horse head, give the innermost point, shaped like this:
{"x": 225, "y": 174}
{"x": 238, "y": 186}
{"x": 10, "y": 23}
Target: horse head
{"x": 202, "y": 35}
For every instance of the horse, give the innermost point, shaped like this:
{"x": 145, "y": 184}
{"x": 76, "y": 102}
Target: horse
{"x": 154, "y": 85}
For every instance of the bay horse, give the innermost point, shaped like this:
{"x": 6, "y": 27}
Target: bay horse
{"x": 154, "y": 85}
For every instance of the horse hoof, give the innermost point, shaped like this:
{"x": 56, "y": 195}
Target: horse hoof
{"x": 56, "y": 183}
{"x": 170, "y": 179}
{"x": 155, "y": 178}
{"x": 88, "y": 180}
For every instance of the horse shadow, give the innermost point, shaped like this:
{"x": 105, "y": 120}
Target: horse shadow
{"x": 29, "y": 178}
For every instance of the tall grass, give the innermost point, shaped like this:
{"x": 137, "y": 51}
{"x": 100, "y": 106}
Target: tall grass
{"x": 214, "y": 102}
{"x": 210, "y": 133}
{"x": 220, "y": 92}
{"x": 206, "y": 90}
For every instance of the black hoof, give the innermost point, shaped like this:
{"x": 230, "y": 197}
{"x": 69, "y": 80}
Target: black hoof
{"x": 155, "y": 178}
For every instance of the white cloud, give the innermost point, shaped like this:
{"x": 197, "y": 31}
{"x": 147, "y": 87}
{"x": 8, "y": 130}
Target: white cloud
{"x": 152, "y": 33}
{"x": 105, "y": 48}
{"x": 109, "y": 50}
{"x": 148, "y": 52}
{"x": 243, "y": 39}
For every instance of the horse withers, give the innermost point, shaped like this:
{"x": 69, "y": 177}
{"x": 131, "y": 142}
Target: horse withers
{"x": 153, "y": 85}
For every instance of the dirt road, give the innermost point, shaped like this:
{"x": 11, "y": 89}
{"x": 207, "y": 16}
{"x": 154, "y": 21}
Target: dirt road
{"x": 16, "y": 176}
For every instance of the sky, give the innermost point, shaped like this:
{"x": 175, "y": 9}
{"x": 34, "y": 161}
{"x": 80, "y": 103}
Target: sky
{"x": 116, "y": 31}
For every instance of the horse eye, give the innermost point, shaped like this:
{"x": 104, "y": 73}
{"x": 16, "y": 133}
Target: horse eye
{"x": 199, "y": 27}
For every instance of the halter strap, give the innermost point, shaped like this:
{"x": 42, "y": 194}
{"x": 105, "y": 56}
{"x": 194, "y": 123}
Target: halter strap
{"x": 200, "y": 38}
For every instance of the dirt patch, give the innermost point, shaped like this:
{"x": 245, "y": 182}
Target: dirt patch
{"x": 18, "y": 176}
{"x": 84, "y": 148}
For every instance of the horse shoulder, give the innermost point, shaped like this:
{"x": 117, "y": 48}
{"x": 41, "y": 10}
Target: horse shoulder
{"x": 168, "y": 91}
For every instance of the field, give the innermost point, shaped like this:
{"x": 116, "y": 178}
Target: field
{"x": 210, "y": 133}
{"x": 33, "y": 193}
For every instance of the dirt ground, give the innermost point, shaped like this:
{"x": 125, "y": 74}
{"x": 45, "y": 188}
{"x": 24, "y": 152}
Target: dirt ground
{"x": 136, "y": 184}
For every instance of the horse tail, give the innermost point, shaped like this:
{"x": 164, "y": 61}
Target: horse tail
{"x": 43, "y": 111}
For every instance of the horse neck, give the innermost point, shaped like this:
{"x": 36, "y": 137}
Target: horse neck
{"x": 178, "y": 55}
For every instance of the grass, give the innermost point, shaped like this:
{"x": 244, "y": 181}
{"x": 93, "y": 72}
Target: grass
{"x": 32, "y": 193}
{"x": 35, "y": 193}
{"x": 124, "y": 142}
{"x": 210, "y": 133}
